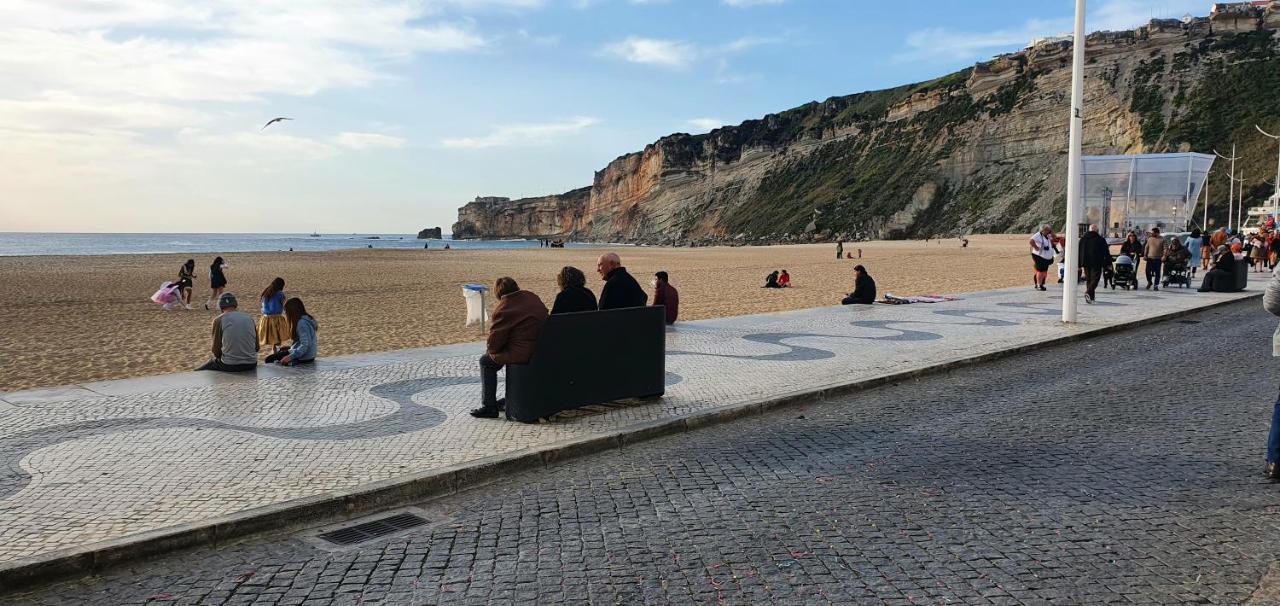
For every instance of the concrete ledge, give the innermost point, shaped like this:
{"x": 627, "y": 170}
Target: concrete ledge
{"x": 405, "y": 490}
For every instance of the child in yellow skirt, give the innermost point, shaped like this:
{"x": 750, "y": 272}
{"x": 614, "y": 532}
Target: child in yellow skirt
{"x": 273, "y": 328}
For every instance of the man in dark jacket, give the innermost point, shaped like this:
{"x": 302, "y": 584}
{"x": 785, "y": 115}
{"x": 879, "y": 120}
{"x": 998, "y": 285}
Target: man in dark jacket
{"x": 514, "y": 328}
{"x": 665, "y": 294}
{"x": 864, "y": 288}
{"x": 1095, "y": 255}
{"x": 620, "y": 289}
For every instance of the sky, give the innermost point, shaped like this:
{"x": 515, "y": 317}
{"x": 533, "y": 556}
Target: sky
{"x": 146, "y": 115}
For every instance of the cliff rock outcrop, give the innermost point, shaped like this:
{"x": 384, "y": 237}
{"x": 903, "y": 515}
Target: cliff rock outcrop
{"x": 980, "y": 150}
{"x": 430, "y": 233}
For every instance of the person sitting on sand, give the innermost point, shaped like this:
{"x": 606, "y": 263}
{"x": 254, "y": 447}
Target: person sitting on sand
{"x": 665, "y": 294}
{"x": 620, "y": 289}
{"x": 771, "y": 280}
{"x": 514, "y": 328}
{"x": 302, "y": 328}
{"x": 235, "y": 340}
{"x": 784, "y": 279}
{"x": 574, "y": 296}
{"x": 864, "y": 288}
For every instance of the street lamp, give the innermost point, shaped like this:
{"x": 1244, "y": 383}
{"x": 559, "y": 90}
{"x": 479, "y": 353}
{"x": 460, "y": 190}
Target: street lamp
{"x": 1277, "y": 138}
{"x": 1231, "y": 190}
{"x": 1071, "y": 283}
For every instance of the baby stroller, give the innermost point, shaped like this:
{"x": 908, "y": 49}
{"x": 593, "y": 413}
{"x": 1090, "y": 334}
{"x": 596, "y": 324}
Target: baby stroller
{"x": 1124, "y": 275}
{"x": 1176, "y": 272}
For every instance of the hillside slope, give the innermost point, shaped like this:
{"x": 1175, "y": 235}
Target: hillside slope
{"x": 980, "y": 150}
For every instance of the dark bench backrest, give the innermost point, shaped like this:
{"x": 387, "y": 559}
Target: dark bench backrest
{"x": 590, "y": 358}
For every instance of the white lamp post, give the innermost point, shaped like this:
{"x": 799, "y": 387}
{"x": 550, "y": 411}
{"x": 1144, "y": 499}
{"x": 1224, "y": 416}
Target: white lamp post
{"x": 1231, "y": 188}
{"x": 1071, "y": 282}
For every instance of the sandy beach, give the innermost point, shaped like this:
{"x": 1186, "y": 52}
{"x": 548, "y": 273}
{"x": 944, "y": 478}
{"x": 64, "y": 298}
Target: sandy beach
{"x": 76, "y": 319}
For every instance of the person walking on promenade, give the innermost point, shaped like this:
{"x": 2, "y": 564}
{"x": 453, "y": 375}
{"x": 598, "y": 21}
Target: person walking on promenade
{"x": 235, "y": 340}
{"x": 186, "y": 279}
{"x": 620, "y": 289}
{"x": 1206, "y": 250}
{"x": 1094, "y": 256}
{"x": 1132, "y": 248}
{"x": 665, "y": 294}
{"x": 574, "y": 296}
{"x": 273, "y": 328}
{"x": 217, "y": 281}
{"x": 1271, "y": 302}
{"x": 864, "y": 288}
{"x": 1042, "y": 251}
{"x": 1194, "y": 246}
{"x": 514, "y": 328}
{"x": 840, "y": 249}
{"x": 302, "y": 331}
{"x": 1153, "y": 251}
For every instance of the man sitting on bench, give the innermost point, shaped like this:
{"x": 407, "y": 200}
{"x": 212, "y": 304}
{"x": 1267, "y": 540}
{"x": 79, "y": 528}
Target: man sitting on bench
{"x": 516, "y": 322}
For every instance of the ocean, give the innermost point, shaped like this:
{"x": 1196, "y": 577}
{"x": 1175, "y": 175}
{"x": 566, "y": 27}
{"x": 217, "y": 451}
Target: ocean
{"x": 37, "y": 244}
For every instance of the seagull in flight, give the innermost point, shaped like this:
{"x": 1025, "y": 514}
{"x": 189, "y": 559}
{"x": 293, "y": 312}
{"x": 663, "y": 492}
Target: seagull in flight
{"x": 273, "y": 121}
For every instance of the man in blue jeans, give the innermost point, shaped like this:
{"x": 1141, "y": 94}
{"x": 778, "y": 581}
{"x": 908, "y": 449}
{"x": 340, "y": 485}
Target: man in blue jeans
{"x": 1271, "y": 301}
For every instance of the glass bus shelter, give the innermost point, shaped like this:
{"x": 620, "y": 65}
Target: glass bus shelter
{"x": 1141, "y": 191}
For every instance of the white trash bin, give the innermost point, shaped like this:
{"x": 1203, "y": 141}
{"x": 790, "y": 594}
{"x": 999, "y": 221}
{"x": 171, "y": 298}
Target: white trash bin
{"x": 476, "y": 312}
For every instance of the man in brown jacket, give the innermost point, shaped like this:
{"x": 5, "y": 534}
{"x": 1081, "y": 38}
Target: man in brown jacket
{"x": 1154, "y": 251}
{"x": 513, "y": 330}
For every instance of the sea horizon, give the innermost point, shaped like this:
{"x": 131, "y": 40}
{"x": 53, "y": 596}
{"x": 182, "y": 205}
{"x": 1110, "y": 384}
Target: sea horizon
{"x": 40, "y": 244}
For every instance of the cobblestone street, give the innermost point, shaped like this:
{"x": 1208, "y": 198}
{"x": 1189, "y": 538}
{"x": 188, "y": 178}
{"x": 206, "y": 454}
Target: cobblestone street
{"x": 1122, "y": 469}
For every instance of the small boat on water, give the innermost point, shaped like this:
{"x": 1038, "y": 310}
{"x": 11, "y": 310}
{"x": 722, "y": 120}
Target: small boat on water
{"x": 315, "y": 235}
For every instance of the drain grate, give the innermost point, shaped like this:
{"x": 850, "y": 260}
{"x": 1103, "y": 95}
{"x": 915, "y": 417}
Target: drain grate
{"x": 372, "y": 530}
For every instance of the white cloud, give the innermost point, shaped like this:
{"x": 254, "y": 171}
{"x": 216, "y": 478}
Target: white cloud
{"x": 705, "y": 124}
{"x": 522, "y": 134}
{"x": 363, "y": 141}
{"x": 653, "y": 51}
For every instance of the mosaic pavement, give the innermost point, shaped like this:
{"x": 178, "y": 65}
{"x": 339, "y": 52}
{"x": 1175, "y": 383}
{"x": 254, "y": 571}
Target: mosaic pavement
{"x": 107, "y": 460}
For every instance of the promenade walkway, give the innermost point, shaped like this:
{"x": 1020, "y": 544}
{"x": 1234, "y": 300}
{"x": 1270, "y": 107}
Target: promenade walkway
{"x": 110, "y": 461}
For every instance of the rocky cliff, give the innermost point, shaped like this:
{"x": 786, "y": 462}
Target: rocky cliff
{"x": 430, "y": 233}
{"x": 981, "y": 150}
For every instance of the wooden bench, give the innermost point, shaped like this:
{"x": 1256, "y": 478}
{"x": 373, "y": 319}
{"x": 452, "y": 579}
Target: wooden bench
{"x": 589, "y": 358}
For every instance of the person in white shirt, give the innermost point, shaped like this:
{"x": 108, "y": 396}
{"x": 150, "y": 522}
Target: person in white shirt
{"x": 1042, "y": 252}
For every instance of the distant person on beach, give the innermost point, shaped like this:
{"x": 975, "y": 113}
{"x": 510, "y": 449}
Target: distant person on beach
{"x": 273, "y": 329}
{"x": 1042, "y": 253}
{"x": 784, "y": 279}
{"x": 840, "y": 249}
{"x": 864, "y": 288}
{"x": 771, "y": 280}
{"x": 1095, "y": 255}
{"x": 186, "y": 276}
{"x": 665, "y": 294}
{"x": 302, "y": 332}
{"x": 235, "y": 340}
{"x": 217, "y": 281}
{"x": 514, "y": 328}
{"x": 574, "y": 296}
{"x": 620, "y": 289}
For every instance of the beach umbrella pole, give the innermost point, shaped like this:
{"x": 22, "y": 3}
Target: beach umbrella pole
{"x": 1070, "y": 281}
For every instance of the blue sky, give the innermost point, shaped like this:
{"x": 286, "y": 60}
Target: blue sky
{"x": 145, "y": 115}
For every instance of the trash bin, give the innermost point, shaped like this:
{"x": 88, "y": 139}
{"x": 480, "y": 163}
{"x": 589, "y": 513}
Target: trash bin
{"x": 474, "y": 296}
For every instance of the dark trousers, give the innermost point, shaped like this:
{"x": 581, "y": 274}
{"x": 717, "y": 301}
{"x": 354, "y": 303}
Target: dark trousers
{"x": 1273, "y": 440}
{"x": 489, "y": 382}
{"x": 1153, "y": 271}
{"x": 1092, "y": 275}
{"x": 217, "y": 364}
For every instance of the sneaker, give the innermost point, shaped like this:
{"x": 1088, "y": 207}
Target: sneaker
{"x": 187, "y": 306}
{"x": 1088, "y": 299}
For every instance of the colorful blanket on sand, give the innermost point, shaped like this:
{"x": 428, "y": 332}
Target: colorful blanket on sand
{"x": 892, "y": 299}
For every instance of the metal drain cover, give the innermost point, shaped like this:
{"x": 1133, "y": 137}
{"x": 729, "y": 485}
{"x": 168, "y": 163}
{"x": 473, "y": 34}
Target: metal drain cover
{"x": 381, "y": 527}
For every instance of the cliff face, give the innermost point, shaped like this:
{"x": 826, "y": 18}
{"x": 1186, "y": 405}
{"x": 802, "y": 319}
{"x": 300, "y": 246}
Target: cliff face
{"x": 981, "y": 150}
